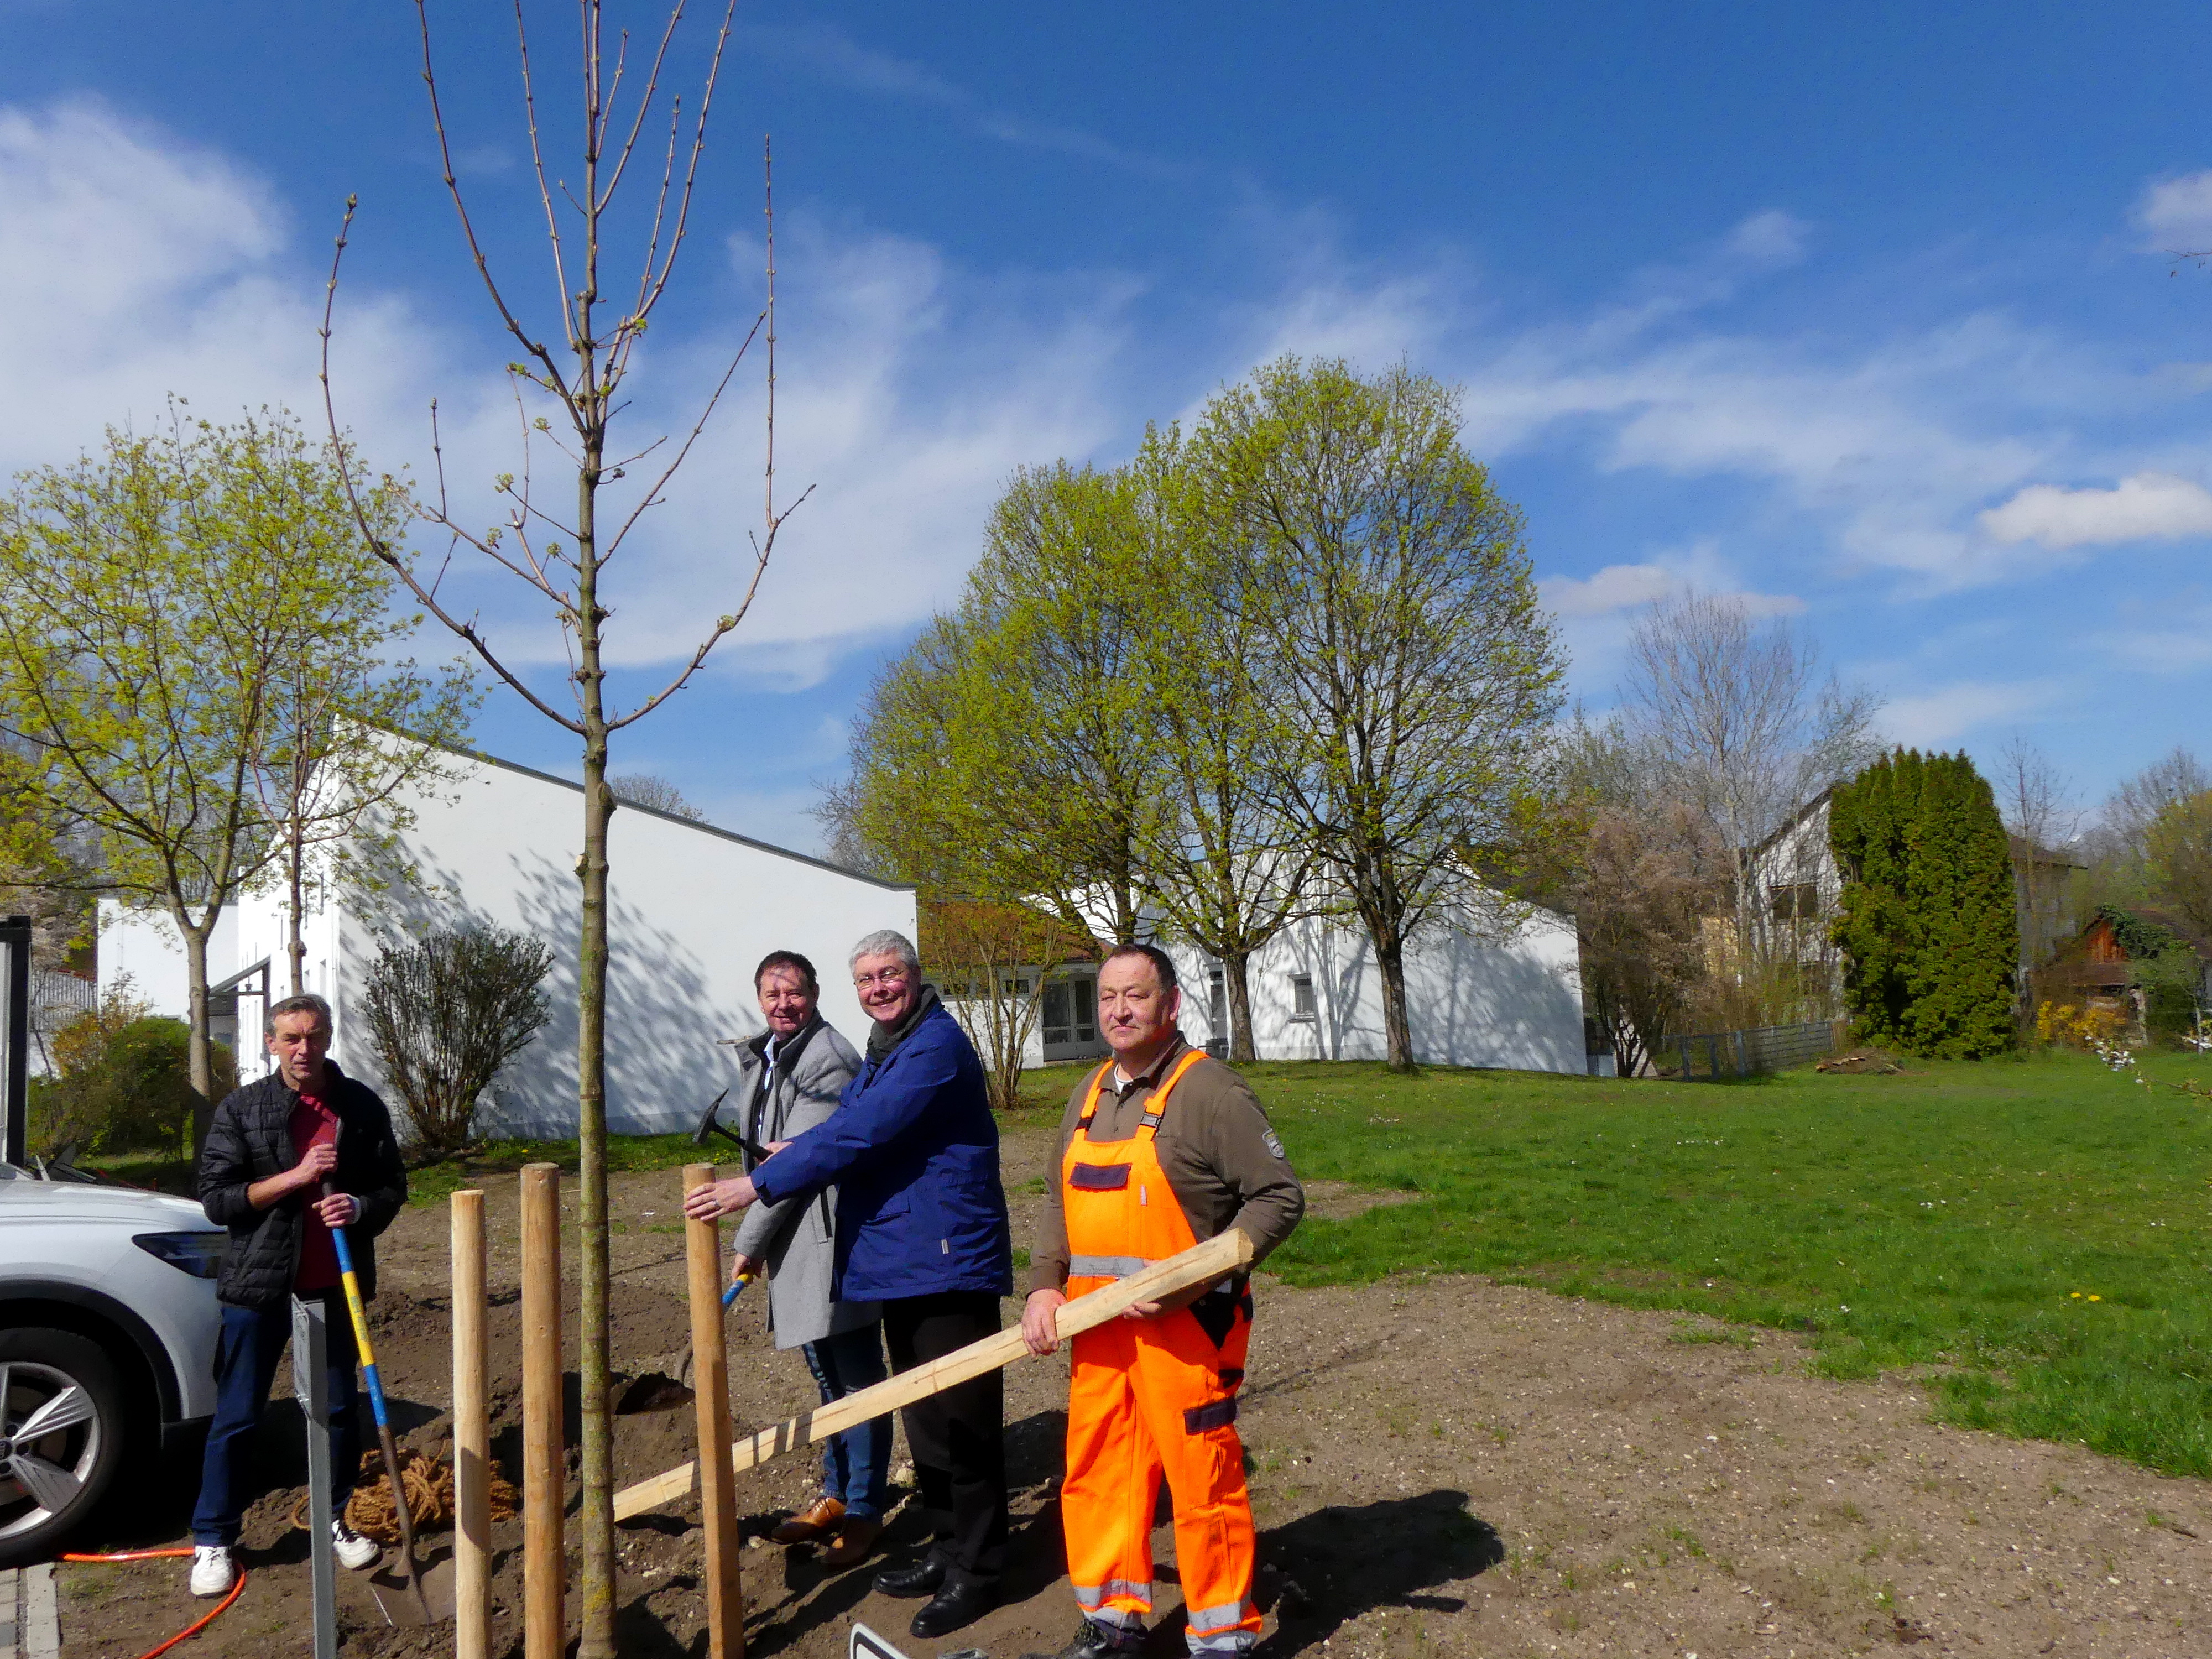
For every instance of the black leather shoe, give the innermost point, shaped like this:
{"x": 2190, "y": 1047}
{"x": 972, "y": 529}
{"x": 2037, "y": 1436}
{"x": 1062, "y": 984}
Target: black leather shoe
{"x": 922, "y": 1578}
{"x": 954, "y": 1605}
{"x": 1095, "y": 1641}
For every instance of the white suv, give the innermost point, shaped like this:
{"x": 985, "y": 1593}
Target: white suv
{"x": 107, "y": 1339}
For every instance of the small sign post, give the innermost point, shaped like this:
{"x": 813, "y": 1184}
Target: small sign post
{"x": 310, "y": 1386}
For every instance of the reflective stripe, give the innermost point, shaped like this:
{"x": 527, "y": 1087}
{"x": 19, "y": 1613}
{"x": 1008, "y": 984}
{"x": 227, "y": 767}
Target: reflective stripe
{"x": 1105, "y": 1266}
{"x": 1218, "y": 1618}
{"x": 1092, "y": 1598}
{"x": 1229, "y": 1641}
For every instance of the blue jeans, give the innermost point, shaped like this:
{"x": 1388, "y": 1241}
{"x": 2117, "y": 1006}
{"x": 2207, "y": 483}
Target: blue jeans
{"x": 856, "y": 1465}
{"x": 246, "y": 1352}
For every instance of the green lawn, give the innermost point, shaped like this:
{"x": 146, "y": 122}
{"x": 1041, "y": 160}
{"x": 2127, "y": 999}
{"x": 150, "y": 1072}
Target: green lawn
{"x": 1945, "y": 1218}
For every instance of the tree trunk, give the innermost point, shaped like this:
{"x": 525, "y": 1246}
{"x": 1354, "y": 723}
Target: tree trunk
{"x": 1397, "y": 1029}
{"x": 1237, "y": 973}
{"x": 596, "y": 1573}
{"x": 295, "y": 947}
{"x": 199, "y": 1047}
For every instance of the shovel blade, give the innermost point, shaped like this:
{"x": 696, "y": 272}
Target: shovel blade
{"x": 397, "y": 1599}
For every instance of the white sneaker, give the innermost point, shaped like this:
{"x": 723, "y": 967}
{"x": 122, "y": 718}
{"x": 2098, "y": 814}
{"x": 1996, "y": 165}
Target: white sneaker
{"x": 353, "y": 1550}
{"x": 213, "y": 1570}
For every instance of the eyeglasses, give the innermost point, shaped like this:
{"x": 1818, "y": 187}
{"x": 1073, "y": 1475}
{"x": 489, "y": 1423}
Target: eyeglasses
{"x": 887, "y": 977}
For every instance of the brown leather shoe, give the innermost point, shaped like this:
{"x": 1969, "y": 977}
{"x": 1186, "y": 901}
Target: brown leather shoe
{"x": 856, "y": 1541}
{"x": 810, "y": 1526}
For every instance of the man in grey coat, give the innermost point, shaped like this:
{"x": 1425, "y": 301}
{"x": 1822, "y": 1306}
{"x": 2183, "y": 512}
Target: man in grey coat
{"x": 793, "y": 1074}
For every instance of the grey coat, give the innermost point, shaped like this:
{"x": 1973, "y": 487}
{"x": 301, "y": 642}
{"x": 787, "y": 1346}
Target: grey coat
{"x": 797, "y": 1237}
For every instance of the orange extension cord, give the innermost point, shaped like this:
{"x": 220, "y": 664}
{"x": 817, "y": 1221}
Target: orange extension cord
{"x": 189, "y": 1630}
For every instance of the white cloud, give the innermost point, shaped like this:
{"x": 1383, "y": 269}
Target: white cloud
{"x": 2175, "y": 214}
{"x": 908, "y": 390}
{"x": 137, "y": 265}
{"x": 1631, "y": 587}
{"x": 2146, "y": 506}
{"x": 1944, "y": 715}
{"x": 2180, "y": 642}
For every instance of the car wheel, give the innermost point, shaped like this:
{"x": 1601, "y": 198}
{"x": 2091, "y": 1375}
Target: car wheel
{"x": 61, "y": 1437}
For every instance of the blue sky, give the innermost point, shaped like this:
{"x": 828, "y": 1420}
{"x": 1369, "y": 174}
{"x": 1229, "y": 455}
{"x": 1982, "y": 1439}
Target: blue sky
{"x": 1862, "y": 312}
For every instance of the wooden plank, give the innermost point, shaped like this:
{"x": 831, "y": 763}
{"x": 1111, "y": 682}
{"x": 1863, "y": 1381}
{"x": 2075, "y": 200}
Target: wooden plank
{"x": 1201, "y": 1263}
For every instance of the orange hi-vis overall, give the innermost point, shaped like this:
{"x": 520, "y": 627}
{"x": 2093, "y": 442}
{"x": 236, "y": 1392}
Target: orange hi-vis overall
{"x": 1152, "y": 1397}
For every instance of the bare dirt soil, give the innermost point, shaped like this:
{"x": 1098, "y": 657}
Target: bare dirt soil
{"x": 1447, "y": 1467}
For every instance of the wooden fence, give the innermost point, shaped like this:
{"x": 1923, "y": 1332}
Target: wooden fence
{"x": 1714, "y": 1055}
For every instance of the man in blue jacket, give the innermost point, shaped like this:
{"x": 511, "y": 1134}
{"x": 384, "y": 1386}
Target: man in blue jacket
{"x": 922, "y": 1228}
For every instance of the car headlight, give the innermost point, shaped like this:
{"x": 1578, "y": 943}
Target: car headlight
{"x": 199, "y": 1255}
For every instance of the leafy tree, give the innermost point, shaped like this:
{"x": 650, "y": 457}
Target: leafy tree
{"x": 2178, "y": 859}
{"x": 1928, "y": 929}
{"x": 445, "y": 1012}
{"x": 1225, "y": 869}
{"x": 192, "y": 641}
{"x": 1005, "y": 758}
{"x": 1414, "y": 674}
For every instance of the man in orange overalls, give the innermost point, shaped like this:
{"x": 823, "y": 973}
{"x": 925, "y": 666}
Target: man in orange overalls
{"x": 1161, "y": 1147}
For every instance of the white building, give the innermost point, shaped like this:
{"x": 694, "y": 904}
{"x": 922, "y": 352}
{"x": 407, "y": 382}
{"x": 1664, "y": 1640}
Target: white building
{"x": 691, "y": 910}
{"x": 1507, "y": 994}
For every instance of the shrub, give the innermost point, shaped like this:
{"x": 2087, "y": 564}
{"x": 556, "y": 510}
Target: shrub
{"x": 2069, "y": 1027}
{"x": 446, "y": 1013}
{"x": 122, "y": 1083}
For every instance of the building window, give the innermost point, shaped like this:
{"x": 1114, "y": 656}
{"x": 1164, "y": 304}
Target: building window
{"x": 1301, "y": 997}
{"x": 1071, "y": 1012}
{"x": 1797, "y": 902}
{"x": 1217, "y": 1001}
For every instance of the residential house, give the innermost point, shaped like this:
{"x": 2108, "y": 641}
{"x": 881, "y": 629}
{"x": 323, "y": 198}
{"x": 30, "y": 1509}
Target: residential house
{"x": 691, "y": 910}
{"x": 1500, "y": 986}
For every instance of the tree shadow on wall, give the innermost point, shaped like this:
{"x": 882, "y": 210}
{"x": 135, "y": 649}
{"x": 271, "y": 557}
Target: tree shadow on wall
{"x": 1340, "y": 1562}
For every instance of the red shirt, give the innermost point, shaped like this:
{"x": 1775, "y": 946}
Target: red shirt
{"x": 314, "y": 1124}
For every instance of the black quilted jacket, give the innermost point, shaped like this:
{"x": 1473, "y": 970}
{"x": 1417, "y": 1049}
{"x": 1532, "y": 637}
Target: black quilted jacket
{"x": 250, "y": 1140}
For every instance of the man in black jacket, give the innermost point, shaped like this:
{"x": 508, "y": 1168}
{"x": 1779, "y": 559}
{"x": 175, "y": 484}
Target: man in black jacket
{"x": 286, "y": 1159}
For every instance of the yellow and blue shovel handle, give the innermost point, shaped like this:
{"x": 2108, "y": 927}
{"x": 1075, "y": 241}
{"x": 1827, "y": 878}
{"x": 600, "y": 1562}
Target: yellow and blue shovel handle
{"x": 731, "y": 1295}
{"x": 352, "y": 1283}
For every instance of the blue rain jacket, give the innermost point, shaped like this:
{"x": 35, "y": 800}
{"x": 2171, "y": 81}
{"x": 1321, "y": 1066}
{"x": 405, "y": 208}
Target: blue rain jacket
{"x": 914, "y": 1154}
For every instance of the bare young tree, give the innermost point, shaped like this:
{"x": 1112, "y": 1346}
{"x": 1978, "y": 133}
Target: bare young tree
{"x": 656, "y": 794}
{"x": 992, "y": 961}
{"x": 578, "y": 372}
{"x": 1742, "y": 727}
{"x": 2136, "y": 803}
{"x": 1646, "y": 882}
{"x": 2036, "y": 800}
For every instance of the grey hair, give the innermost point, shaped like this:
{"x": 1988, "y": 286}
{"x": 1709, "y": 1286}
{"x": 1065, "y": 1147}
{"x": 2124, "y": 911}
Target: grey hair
{"x": 306, "y": 1003}
{"x": 886, "y": 942}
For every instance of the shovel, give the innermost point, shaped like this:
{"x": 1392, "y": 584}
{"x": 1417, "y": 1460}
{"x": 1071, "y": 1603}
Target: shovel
{"x": 407, "y": 1599}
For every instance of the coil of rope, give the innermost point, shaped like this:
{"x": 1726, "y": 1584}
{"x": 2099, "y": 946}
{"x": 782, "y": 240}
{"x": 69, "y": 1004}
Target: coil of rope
{"x": 430, "y": 1485}
{"x": 189, "y": 1630}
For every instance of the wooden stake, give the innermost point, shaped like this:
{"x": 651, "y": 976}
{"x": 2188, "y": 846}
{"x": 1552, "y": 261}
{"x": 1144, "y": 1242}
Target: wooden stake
{"x": 471, "y": 1435}
{"x": 1212, "y": 1260}
{"x": 544, "y": 1627}
{"x": 710, "y": 1385}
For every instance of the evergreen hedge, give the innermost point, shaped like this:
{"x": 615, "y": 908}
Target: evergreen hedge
{"x": 1928, "y": 929}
